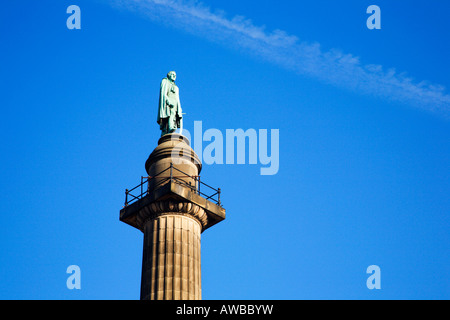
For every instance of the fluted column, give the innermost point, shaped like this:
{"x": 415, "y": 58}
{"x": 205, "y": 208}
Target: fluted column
{"x": 172, "y": 215}
{"x": 171, "y": 264}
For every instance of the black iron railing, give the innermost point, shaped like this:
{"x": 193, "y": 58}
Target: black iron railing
{"x": 145, "y": 187}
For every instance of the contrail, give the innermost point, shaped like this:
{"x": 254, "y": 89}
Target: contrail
{"x": 278, "y": 47}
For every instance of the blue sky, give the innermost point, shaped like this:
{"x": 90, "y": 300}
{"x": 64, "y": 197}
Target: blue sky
{"x": 364, "y": 149}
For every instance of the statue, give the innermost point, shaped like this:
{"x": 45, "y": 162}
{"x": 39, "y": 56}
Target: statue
{"x": 169, "y": 112}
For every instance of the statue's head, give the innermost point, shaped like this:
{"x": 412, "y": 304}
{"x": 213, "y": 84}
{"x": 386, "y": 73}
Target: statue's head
{"x": 172, "y": 75}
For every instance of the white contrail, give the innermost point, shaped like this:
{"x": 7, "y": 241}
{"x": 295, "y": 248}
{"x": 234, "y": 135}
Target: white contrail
{"x": 333, "y": 66}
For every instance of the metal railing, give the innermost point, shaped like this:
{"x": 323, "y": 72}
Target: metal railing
{"x": 144, "y": 187}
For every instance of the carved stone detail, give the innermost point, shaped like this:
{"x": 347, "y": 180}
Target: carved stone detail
{"x": 160, "y": 208}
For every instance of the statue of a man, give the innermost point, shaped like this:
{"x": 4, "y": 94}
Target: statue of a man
{"x": 169, "y": 112}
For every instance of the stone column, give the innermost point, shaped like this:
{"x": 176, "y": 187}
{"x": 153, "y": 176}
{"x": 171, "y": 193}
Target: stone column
{"x": 172, "y": 217}
{"x": 171, "y": 267}
{"x": 171, "y": 254}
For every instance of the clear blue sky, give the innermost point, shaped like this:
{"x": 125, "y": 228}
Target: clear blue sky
{"x": 364, "y": 150}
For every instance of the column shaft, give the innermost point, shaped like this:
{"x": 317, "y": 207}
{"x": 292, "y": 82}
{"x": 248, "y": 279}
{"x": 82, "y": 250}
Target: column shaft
{"x": 171, "y": 268}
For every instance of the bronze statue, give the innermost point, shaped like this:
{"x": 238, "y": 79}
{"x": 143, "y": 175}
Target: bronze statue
{"x": 170, "y": 116}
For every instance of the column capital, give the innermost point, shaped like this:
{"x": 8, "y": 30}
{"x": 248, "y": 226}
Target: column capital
{"x": 171, "y": 207}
